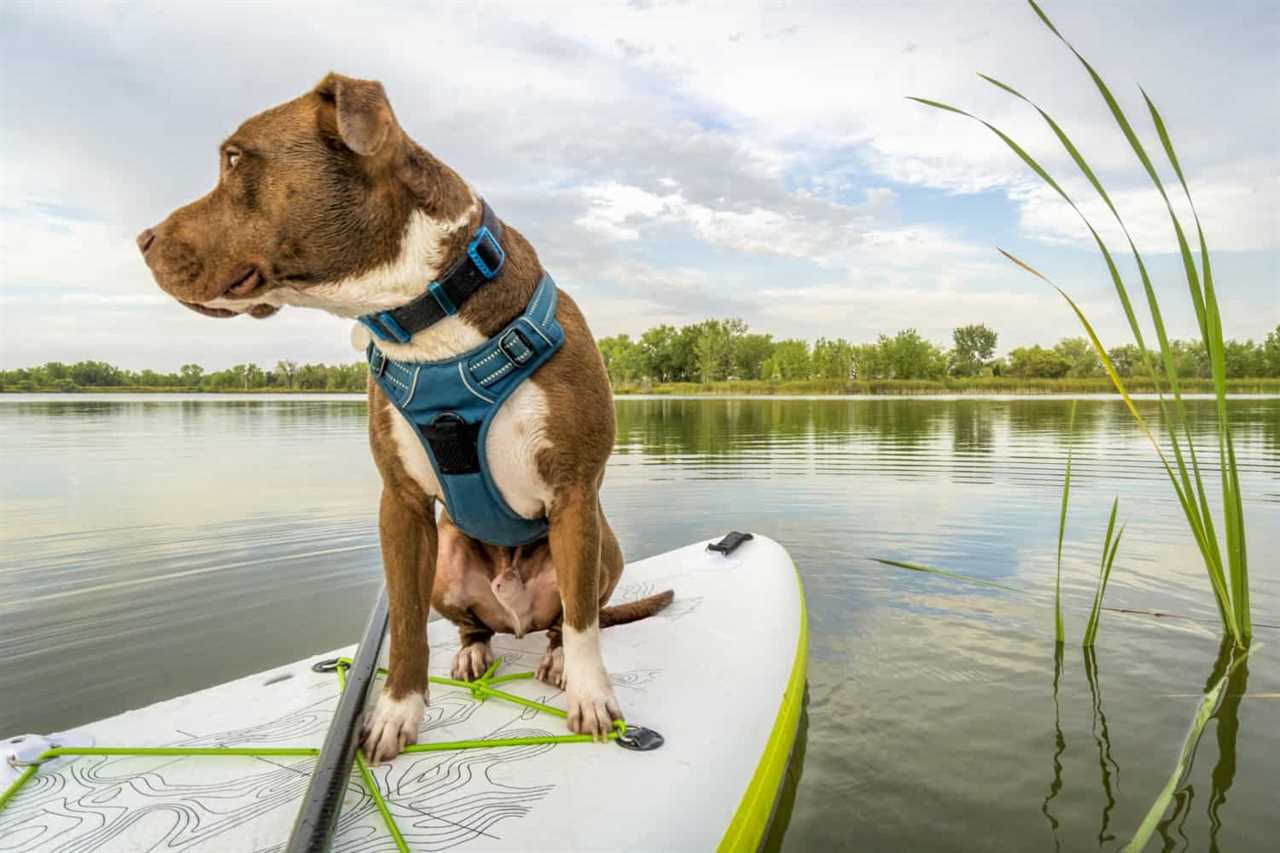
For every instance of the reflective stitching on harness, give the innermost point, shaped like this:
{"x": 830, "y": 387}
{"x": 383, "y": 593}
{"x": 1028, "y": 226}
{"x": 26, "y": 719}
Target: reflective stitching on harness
{"x": 416, "y": 373}
{"x": 537, "y": 296}
{"x": 488, "y": 358}
{"x": 463, "y": 374}
{"x": 550, "y": 307}
{"x": 387, "y": 376}
{"x": 497, "y": 373}
{"x": 534, "y": 326}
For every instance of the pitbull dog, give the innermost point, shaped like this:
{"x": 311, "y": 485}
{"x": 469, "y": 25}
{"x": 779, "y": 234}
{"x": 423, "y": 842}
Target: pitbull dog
{"x": 325, "y": 202}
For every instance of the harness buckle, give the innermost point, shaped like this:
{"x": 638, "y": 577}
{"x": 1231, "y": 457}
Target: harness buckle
{"x": 516, "y": 346}
{"x": 486, "y": 253}
{"x": 377, "y": 362}
{"x": 384, "y": 327}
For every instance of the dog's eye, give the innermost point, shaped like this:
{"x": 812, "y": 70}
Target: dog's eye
{"x": 231, "y": 157}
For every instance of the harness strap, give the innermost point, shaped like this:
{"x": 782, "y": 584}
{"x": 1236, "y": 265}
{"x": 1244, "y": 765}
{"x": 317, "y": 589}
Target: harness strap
{"x": 481, "y": 263}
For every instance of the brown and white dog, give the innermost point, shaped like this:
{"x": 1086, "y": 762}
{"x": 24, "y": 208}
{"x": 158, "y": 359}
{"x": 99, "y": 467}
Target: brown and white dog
{"x": 325, "y": 202}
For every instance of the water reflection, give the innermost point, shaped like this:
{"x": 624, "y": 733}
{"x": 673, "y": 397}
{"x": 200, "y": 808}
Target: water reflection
{"x": 1059, "y": 747}
{"x": 1102, "y": 737}
{"x": 790, "y": 784}
{"x": 1227, "y": 729}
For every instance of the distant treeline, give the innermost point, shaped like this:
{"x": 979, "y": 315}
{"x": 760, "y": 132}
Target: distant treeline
{"x": 719, "y": 350}
{"x": 285, "y": 376}
{"x": 716, "y": 351}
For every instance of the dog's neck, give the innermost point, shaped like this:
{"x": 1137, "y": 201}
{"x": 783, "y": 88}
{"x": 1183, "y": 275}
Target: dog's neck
{"x": 429, "y": 246}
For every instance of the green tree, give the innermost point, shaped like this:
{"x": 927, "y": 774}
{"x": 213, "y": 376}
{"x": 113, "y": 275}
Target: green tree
{"x": 1126, "y": 359}
{"x": 95, "y": 373}
{"x": 972, "y": 348}
{"x": 790, "y": 359}
{"x": 1190, "y": 358}
{"x": 1271, "y": 353}
{"x": 286, "y": 370}
{"x": 190, "y": 374}
{"x": 1080, "y": 356}
{"x": 833, "y": 359}
{"x": 660, "y": 352}
{"x": 909, "y": 356}
{"x": 623, "y": 358}
{"x": 713, "y": 349}
{"x": 749, "y": 354}
{"x": 1036, "y": 362}
{"x": 1243, "y": 359}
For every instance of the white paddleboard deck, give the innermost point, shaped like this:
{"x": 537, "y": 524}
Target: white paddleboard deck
{"x": 709, "y": 674}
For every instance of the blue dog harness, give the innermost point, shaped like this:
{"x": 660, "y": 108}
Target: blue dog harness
{"x": 452, "y": 403}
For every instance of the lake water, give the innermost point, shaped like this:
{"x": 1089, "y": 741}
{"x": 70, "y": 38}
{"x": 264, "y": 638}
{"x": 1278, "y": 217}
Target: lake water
{"x": 154, "y": 545}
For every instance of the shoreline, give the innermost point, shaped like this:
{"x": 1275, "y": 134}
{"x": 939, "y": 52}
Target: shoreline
{"x": 983, "y": 387}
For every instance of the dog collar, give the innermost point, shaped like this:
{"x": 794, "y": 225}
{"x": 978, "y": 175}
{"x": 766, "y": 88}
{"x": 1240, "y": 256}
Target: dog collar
{"x": 444, "y": 296}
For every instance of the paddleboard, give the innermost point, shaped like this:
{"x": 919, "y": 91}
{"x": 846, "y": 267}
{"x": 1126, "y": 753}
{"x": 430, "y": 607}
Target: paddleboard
{"x": 719, "y": 675}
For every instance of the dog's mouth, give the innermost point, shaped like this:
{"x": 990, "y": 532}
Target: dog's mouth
{"x": 245, "y": 281}
{"x": 258, "y": 311}
{"x": 243, "y": 284}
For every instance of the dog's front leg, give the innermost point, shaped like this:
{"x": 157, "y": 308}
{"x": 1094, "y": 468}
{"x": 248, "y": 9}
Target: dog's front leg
{"x": 575, "y": 549}
{"x": 408, "y": 536}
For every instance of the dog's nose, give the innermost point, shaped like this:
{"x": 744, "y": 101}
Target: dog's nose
{"x": 145, "y": 239}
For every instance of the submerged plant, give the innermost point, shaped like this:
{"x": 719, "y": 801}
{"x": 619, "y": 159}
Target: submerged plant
{"x": 1226, "y": 563}
{"x": 1058, "y": 637}
{"x": 917, "y": 567}
{"x": 1110, "y": 545}
{"x": 1204, "y": 712}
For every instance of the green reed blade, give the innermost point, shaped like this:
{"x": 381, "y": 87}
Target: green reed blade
{"x": 1110, "y": 545}
{"x": 1188, "y": 485}
{"x": 1179, "y": 414}
{"x": 1217, "y": 578}
{"x": 1058, "y": 636}
{"x": 1178, "y": 418}
{"x": 1210, "y": 321}
{"x": 1233, "y": 504}
{"x": 1202, "y": 716}
{"x": 1233, "y": 508}
{"x": 916, "y": 567}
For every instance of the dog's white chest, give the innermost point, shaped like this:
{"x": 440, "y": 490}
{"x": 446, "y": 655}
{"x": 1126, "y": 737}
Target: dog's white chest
{"x": 516, "y": 435}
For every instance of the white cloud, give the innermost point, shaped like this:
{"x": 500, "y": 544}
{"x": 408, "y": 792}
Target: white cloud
{"x": 1238, "y": 213}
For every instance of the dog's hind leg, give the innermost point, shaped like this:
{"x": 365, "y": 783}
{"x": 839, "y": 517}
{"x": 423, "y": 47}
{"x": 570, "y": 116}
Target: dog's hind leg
{"x": 408, "y": 537}
{"x": 474, "y": 655}
{"x": 575, "y": 538}
{"x": 551, "y": 668}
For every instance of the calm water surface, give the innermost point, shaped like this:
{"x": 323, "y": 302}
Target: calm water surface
{"x": 154, "y": 545}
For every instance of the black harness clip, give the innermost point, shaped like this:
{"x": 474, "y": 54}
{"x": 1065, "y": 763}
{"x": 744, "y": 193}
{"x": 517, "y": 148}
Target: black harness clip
{"x": 453, "y": 443}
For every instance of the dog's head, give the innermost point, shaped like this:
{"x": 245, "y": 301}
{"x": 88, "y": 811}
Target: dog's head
{"x": 312, "y": 196}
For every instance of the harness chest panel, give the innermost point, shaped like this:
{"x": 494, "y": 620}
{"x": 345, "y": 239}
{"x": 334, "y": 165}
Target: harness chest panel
{"x": 451, "y": 405}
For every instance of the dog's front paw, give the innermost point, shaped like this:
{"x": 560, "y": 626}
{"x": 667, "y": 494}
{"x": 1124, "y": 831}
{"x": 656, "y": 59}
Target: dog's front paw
{"x": 471, "y": 661}
{"x": 551, "y": 668}
{"x": 592, "y": 705}
{"x": 392, "y": 725}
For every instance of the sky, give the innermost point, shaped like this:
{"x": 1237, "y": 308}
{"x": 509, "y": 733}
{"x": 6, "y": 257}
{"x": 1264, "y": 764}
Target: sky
{"x": 671, "y": 161}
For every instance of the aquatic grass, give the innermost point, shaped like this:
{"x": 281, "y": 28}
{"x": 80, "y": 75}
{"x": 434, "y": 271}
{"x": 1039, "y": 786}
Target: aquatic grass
{"x": 1204, "y": 712}
{"x": 917, "y": 567}
{"x": 1058, "y": 635}
{"x": 1227, "y": 564}
{"x": 1110, "y": 545}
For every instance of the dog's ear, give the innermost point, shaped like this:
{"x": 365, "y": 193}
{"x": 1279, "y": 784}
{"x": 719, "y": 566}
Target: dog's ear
{"x": 364, "y": 117}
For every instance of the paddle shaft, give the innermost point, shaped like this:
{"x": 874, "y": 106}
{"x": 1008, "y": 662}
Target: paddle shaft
{"x": 318, "y": 816}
